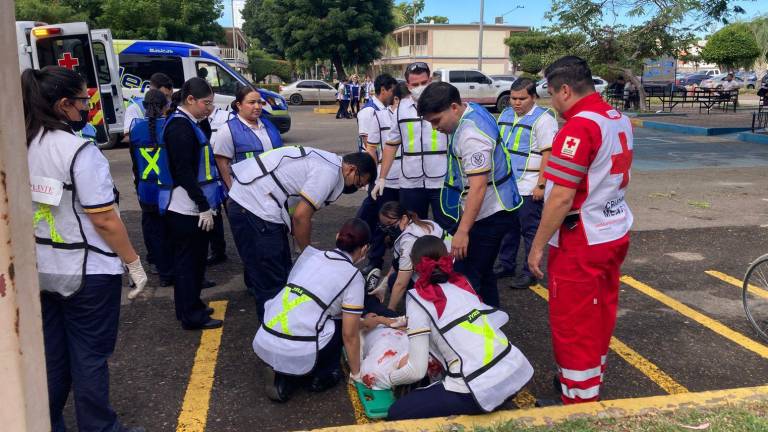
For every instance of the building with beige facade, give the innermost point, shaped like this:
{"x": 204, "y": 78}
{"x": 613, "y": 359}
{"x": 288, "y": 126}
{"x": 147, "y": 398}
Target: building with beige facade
{"x": 449, "y": 46}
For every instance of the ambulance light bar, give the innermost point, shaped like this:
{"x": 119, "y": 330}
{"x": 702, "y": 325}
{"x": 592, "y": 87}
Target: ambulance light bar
{"x": 194, "y": 52}
{"x": 46, "y": 31}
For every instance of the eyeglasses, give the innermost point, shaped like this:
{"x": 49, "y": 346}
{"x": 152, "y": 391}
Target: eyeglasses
{"x": 84, "y": 99}
{"x": 413, "y": 67}
{"x": 206, "y": 102}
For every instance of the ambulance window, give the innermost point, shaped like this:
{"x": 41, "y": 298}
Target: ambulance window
{"x": 102, "y": 63}
{"x": 138, "y": 68}
{"x": 220, "y": 79}
{"x": 72, "y": 52}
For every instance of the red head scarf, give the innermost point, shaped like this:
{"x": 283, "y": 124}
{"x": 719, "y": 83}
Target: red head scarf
{"x": 433, "y": 292}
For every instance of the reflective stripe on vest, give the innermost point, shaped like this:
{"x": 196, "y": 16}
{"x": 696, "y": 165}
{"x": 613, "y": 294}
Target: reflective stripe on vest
{"x": 489, "y": 335}
{"x": 289, "y": 305}
{"x": 44, "y": 213}
{"x": 151, "y": 162}
{"x": 522, "y": 129}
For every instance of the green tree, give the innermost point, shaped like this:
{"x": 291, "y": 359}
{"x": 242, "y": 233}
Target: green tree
{"x": 545, "y": 47}
{"x": 531, "y": 63}
{"x": 408, "y": 13}
{"x": 178, "y": 20}
{"x": 438, "y": 19}
{"x": 759, "y": 27}
{"x": 347, "y": 32}
{"x": 731, "y": 47}
{"x": 51, "y": 11}
{"x": 666, "y": 27}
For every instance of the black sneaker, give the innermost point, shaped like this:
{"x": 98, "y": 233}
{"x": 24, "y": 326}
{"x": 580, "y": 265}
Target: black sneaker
{"x": 372, "y": 280}
{"x": 523, "y": 282}
{"x": 275, "y": 385}
{"x": 504, "y": 273}
{"x": 325, "y": 382}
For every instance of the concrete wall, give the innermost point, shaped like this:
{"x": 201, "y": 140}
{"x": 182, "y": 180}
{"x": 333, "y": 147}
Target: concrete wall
{"x": 464, "y": 43}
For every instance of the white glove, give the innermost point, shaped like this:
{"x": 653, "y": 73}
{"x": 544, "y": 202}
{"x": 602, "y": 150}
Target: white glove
{"x": 138, "y": 278}
{"x": 355, "y": 377}
{"x": 205, "y": 222}
{"x": 400, "y": 321}
{"x": 380, "y": 290}
{"x": 378, "y": 188}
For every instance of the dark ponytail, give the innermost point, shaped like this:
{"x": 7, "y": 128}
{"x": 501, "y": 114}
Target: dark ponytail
{"x": 354, "y": 234}
{"x": 430, "y": 247}
{"x": 154, "y": 108}
{"x": 175, "y": 102}
{"x": 240, "y": 96}
{"x": 198, "y": 88}
{"x": 395, "y": 210}
{"x": 41, "y": 90}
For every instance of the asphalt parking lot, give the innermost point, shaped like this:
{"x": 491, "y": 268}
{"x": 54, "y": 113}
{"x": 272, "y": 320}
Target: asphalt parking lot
{"x": 701, "y": 208}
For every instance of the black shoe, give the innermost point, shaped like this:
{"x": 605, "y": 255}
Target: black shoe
{"x": 166, "y": 282}
{"x": 275, "y": 385}
{"x": 548, "y": 402}
{"x": 504, "y": 273}
{"x": 210, "y": 324}
{"x": 323, "y": 383}
{"x": 523, "y": 282}
{"x": 556, "y": 385}
{"x": 208, "y": 284}
{"x": 216, "y": 259}
{"x": 208, "y": 310}
{"x": 368, "y": 268}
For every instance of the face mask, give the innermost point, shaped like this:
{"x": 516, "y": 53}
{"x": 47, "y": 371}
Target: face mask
{"x": 78, "y": 125}
{"x": 349, "y": 189}
{"x": 416, "y": 92}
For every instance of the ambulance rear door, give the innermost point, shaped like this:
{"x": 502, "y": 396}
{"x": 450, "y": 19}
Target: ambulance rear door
{"x": 108, "y": 75}
{"x": 69, "y": 45}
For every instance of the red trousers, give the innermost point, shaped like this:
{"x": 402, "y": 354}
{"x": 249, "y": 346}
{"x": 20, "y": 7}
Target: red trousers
{"x": 583, "y": 298}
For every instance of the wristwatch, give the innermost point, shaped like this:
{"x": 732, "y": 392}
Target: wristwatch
{"x": 540, "y": 186}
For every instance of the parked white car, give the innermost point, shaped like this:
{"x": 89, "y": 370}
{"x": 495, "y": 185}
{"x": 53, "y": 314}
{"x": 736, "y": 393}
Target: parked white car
{"x": 308, "y": 90}
{"x": 476, "y": 86}
{"x": 716, "y": 82}
{"x": 541, "y": 86}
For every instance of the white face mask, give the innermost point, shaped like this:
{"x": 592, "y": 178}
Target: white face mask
{"x": 417, "y": 91}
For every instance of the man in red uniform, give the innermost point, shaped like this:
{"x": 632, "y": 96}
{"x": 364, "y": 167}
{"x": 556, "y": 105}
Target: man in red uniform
{"x": 586, "y": 222}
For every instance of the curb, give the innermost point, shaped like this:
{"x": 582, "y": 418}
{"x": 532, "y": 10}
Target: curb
{"x": 325, "y": 110}
{"x": 686, "y": 129}
{"x": 619, "y": 408}
{"x": 753, "y": 138}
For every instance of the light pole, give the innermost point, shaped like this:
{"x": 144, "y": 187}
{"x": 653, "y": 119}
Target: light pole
{"x": 234, "y": 32}
{"x": 480, "y": 48}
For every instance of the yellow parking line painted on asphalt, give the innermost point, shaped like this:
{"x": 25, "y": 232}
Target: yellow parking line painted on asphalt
{"x": 551, "y": 416}
{"x": 700, "y": 318}
{"x": 658, "y": 376}
{"x": 357, "y": 406}
{"x": 737, "y": 283}
{"x": 194, "y": 410}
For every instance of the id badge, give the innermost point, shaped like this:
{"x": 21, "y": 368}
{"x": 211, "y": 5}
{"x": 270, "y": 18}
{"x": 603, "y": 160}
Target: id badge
{"x": 46, "y": 190}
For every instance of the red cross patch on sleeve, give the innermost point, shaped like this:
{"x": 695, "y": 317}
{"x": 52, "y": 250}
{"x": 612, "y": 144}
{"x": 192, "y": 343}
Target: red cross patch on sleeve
{"x": 570, "y": 146}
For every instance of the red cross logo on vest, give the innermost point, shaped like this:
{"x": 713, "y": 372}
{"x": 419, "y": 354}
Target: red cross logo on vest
{"x": 621, "y": 162}
{"x": 570, "y": 145}
{"x": 69, "y": 62}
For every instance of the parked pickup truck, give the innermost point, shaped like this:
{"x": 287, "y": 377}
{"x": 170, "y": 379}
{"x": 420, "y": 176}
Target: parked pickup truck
{"x": 475, "y": 86}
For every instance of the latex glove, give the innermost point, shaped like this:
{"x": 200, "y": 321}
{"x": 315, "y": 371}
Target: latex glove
{"x": 205, "y": 222}
{"x": 400, "y": 321}
{"x": 380, "y": 290}
{"x": 355, "y": 377}
{"x": 378, "y": 188}
{"x": 138, "y": 278}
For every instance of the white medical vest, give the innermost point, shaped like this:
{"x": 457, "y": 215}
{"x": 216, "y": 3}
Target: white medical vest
{"x": 61, "y": 245}
{"x": 288, "y": 338}
{"x": 424, "y": 150}
{"x": 491, "y": 366}
{"x": 605, "y": 215}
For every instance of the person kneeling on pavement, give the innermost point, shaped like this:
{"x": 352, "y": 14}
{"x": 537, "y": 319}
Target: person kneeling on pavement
{"x": 318, "y": 311}
{"x": 445, "y": 313}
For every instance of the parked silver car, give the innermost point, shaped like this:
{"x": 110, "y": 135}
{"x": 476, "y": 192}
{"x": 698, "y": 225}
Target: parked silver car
{"x": 308, "y": 90}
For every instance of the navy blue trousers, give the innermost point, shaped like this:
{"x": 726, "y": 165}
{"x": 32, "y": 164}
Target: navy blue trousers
{"x": 218, "y": 243}
{"x": 433, "y": 401}
{"x": 369, "y": 212}
{"x": 484, "y": 242}
{"x": 420, "y": 200}
{"x": 157, "y": 242}
{"x": 190, "y": 249}
{"x": 80, "y": 334}
{"x": 530, "y": 216}
{"x": 264, "y": 250}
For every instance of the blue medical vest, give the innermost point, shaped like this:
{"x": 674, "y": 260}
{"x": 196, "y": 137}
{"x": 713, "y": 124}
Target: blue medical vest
{"x": 150, "y": 159}
{"x": 207, "y": 174}
{"x": 454, "y": 187}
{"x": 517, "y": 137}
{"x": 247, "y": 143}
{"x": 355, "y": 91}
{"x": 347, "y": 92}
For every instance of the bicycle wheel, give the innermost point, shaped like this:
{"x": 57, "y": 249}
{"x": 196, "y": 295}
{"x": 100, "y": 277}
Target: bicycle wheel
{"x": 755, "y": 295}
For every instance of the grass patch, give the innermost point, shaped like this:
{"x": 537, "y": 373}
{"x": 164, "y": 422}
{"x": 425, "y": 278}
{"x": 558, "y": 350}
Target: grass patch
{"x": 750, "y": 417}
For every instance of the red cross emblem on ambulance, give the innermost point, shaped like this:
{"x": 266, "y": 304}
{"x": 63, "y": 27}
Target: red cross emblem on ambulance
{"x": 69, "y": 62}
